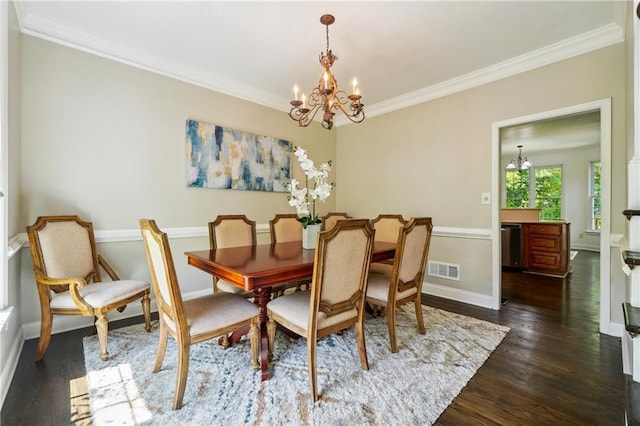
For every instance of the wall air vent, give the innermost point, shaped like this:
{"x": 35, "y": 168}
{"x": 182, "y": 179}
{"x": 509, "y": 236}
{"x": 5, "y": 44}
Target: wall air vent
{"x": 449, "y": 271}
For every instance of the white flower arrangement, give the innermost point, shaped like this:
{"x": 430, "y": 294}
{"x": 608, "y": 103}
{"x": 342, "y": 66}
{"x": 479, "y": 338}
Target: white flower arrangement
{"x": 305, "y": 197}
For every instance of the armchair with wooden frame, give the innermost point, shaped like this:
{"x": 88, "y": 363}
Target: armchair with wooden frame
{"x": 194, "y": 320}
{"x": 67, "y": 267}
{"x": 336, "y": 299}
{"x": 405, "y": 283}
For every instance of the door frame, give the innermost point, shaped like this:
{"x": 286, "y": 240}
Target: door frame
{"x": 604, "y": 106}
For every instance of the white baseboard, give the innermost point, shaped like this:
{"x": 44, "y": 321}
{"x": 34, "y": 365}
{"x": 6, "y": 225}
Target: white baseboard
{"x": 457, "y": 294}
{"x": 614, "y": 329}
{"x": 62, "y": 323}
{"x": 9, "y": 368}
{"x": 586, "y": 247}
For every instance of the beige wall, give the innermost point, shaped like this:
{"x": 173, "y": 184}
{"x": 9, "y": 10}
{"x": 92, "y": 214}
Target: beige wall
{"x": 107, "y": 141}
{"x": 110, "y": 140}
{"x": 434, "y": 159}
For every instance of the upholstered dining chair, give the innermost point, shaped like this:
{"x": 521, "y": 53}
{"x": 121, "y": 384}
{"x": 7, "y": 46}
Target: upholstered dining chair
{"x": 194, "y": 320}
{"x": 67, "y": 267}
{"x": 286, "y": 228}
{"x": 387, "y": 227}
{"x": 231, "y": 231}
{"x": 330, "y": 219}
{"x": 336, "y": 299}
{"x": 405, "y": 283}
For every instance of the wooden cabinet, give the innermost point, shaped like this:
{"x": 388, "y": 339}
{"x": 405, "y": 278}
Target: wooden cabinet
{"x": 546, "y": 248}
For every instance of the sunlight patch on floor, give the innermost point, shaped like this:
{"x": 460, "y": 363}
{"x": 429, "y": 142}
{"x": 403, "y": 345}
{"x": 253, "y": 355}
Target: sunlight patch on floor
{"x": 121, "y": 402}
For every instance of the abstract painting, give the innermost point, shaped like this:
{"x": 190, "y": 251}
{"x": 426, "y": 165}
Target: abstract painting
{"x": 223, "y": 158}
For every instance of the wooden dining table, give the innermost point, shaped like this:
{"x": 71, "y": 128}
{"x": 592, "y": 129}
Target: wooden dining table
{"x": 259, "y": 268}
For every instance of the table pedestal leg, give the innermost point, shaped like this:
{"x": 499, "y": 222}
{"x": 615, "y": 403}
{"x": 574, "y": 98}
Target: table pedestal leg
{"x": 261, "y": 298}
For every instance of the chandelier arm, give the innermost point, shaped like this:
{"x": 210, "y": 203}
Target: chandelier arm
{"x": 355, "y": 117}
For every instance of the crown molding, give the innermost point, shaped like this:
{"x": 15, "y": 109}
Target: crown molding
{"x": 60, "y": 34}
{"x": 574, "y": 46}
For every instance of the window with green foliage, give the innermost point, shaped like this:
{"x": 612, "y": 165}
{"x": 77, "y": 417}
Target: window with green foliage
{"x": 595, "y": 212}
{"x": 517, "y": 189}
{"x": 548, "y": 193}
{"x": 539, "y": 187}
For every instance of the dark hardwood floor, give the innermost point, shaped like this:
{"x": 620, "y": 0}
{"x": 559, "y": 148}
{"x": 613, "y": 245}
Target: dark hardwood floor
{"x": 552, "y": 368}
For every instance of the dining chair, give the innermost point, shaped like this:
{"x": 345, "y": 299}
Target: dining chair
{"x": 330, "y": 219}
{"x": 336, "y": 299}
{"x": 405, "y": 283}
{"x": 194, "y": 320}
{"x": 286, "y": 228}
{"x": 387, "y": 227}
{"x": 66, "y": 266}
{"x": 231, "y": 231}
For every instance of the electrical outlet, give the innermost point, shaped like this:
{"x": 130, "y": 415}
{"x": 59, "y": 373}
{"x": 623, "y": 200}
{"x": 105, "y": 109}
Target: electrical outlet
{"x": 486, "y": 198}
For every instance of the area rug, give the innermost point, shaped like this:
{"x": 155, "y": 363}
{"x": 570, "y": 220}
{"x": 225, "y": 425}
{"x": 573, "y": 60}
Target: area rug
{"x": 413, "y": 386}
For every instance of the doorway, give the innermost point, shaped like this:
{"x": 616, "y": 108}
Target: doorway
{"x": 604, "y": 108}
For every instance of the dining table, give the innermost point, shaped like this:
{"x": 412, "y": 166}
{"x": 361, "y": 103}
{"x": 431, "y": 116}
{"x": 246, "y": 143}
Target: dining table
{"x": 261, "y": 267}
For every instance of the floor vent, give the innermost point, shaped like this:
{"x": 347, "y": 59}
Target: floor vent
{"x": 449, "y": 271}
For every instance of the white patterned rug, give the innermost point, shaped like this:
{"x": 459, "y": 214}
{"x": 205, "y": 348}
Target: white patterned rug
{"x": 413, "y": 386}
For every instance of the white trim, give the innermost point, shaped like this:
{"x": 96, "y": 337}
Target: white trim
{"x": 10, "y": 365}
{"x": 574, "y": 46}
{"x": 577, "y": 45}
{"x": 459, "y": 295}
{"x": 16, "y": 243}
{"x": 121, "y": 235}
{"x": 604, "y": 106}
{"x": 470, "y": 233}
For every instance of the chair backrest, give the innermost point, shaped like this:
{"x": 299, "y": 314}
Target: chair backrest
{"x": 63, "y": 247}
{"x": 284, "y": 228}
{"x": 411, "y": 254}
{"x": 233, "y": 230}
{"x": 387, "y": 227}
{"x": 163, "y": 277}
{"x": 330, "y": 219}
{"x": 341, "y": 267}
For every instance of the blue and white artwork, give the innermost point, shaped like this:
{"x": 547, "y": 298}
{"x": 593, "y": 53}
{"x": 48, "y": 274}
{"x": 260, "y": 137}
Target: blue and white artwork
{"x": 223, "y": 158}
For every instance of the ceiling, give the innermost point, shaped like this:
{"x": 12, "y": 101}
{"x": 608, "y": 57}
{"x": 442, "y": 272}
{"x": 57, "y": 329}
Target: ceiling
{"x": 553, "y": 134}
{"x": 402, "y": 53}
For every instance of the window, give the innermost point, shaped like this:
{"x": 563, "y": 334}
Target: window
{"x": 548, "y": 192}
{"x": 517, "y": 189}
{"x": 539, "y": 187}
{"x": 595, "y": 210}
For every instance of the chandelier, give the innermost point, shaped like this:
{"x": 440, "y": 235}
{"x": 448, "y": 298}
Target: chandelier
{"x": 326, "y": 96}
{"x": 519, "y": 163}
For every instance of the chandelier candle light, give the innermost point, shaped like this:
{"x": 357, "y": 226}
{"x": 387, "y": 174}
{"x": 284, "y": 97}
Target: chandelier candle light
{"x": 326, "y": 96}
{"x": 520, "y": 163}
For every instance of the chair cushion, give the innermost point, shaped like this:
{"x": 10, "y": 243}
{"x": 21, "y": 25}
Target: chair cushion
{"x": 295, "y": 308}
{"x": 99, "y": 294}
{"x": 227, "y": 287}
{"x": 378, "y": 288}
{"x": 381, "y": 268}
{"x": 217, "y": 311}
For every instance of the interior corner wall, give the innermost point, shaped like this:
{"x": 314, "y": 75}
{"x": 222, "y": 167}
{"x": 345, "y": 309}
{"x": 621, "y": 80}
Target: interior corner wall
{"x": 434, "y": 159}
